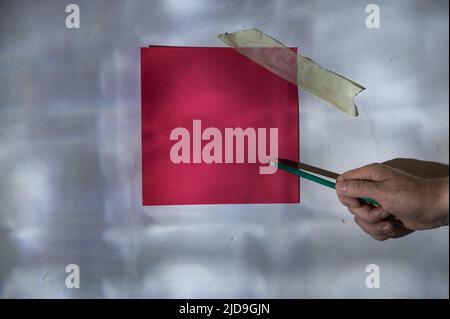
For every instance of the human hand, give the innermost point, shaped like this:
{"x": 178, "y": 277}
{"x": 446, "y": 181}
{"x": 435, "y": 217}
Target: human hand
{"x": 407, "y": 202}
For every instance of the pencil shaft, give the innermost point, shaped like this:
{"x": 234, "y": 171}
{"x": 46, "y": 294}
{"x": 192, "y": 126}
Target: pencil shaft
{"x": 318, "y": 180}
{"x": 306, "y": 175}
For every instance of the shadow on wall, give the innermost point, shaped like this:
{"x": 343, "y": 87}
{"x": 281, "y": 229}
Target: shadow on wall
{"x": 419, "y": 168}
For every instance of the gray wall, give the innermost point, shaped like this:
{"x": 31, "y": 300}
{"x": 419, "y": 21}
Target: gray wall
{"x": 70, "y": 169}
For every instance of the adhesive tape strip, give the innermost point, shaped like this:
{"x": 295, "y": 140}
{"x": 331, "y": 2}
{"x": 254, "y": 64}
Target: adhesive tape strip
{"x": 281, "y": 60}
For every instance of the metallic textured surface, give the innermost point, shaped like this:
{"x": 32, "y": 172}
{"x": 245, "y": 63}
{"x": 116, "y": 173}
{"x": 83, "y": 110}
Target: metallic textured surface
{"x": 70, "y": 169}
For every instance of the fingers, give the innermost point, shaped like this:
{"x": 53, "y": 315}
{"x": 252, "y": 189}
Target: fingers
{"x": 360, "y": 188}
{"x": 371, "y": 172}
{"x": 371, "y": 181}
{"x": 401, "y": 231}
{"x": 350, "y": 202}
{"x": 379, "y": 231}
{"x": 383, "y": 230}
{"x": 369, "y": 214}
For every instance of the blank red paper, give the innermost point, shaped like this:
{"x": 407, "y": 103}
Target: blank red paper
{"x": 218, "y": 88}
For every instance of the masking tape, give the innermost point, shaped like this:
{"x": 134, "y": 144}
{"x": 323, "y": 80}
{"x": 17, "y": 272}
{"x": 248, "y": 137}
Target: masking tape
{"x": 281, "y": 60}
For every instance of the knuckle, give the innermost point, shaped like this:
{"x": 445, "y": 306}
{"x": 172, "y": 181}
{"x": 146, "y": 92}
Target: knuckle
{"x": 377, "y": 171}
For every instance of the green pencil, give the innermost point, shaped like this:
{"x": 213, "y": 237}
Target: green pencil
{"x": 317, "y": 179}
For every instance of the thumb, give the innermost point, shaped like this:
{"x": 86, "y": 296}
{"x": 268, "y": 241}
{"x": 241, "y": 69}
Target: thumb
{"x": 358, "y": 188}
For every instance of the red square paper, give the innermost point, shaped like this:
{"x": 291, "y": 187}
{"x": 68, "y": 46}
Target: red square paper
{"x": 223, "y": 89}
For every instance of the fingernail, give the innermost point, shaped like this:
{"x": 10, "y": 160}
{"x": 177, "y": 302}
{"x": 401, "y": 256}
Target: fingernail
{"x": 342, "y": 187}
{"x": 386, "y": 229}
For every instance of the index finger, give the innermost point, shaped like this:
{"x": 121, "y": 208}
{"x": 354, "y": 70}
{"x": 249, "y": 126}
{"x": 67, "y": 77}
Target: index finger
{"x": 371, "y": 172}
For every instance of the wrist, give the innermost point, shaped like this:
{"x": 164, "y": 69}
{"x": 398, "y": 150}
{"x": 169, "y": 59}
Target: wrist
{"x": 440, "y": 209}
